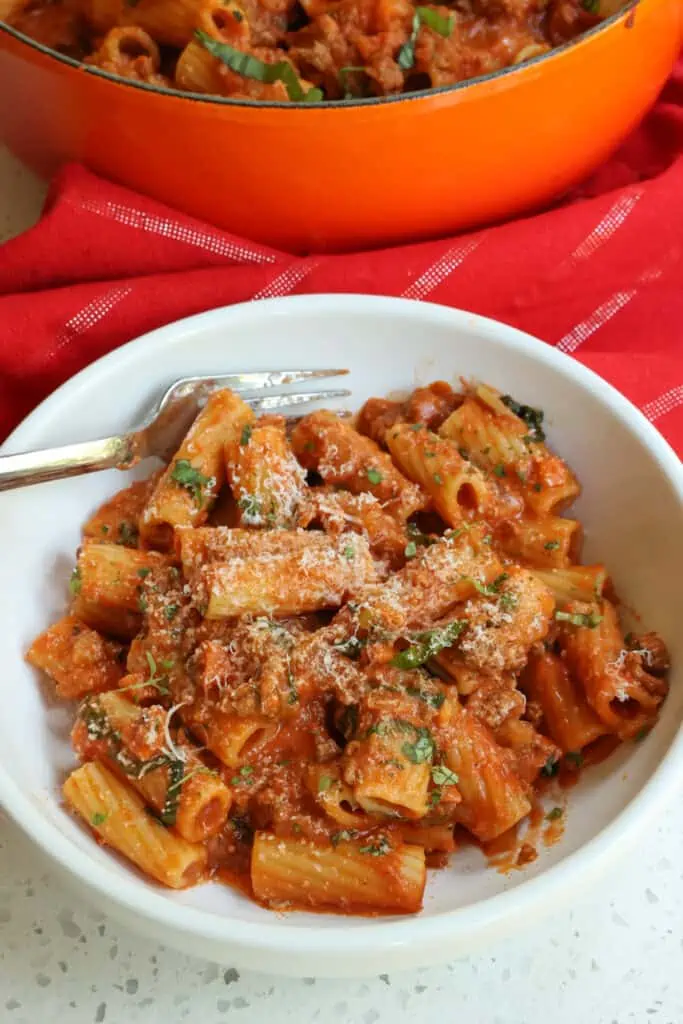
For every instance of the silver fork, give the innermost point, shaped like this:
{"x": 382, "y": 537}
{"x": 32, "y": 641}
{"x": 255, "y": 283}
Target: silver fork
{"x": 164, "y": 428}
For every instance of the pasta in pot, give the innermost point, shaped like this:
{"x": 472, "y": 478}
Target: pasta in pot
{"x": 393, "y": 641}
{"x": 317, "y": 50}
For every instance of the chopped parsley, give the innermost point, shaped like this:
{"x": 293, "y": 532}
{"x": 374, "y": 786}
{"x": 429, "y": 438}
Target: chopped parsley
{"x": 377, "y": 849}
{"x": 438, "y": 479}
{"x": 250, "y": 505}
{"x": 443, "y": 776}
{"x": 552, "y": 545}
{"x": 243, "y": 775}
{"x": 553, "y": 815}
{"x": 349, "y": 553}
{"x": 499, "y": 470}
{"x": 344, "y": 836}
{"x": 142, "y": 573}
{"x": 426, "y": 645}
{"x": 351, "y": 647}
{"x": 422, "y": 749}
{"x": 99, "y": 818}
{"x": 75, "y": 583}
{"x": 142, "y": 603}
{"x": 574, "y": 757}
{"x": 532, "y": 417}
{"x": 185, "y": 475}
{"x": 432, "y": 19}
{"x": 551, "y": 767}
{"x": 128, "y": 534}
{"x": 324, "y": 783}
{"x": 246, "y": 434}
{"x": 592, "y": 6}
{"x": 104, "y": 529}
{"x": 433, "y": 699}
{"x": 170, "y": 611}
{"x": 374, "y": 476}
{"x": 410, "y": 549}
{"x": 489, "y": 589}
{"x": 508, "y": 601}
{"x": 642, "y": 733}
{"x": 588, "y": 620}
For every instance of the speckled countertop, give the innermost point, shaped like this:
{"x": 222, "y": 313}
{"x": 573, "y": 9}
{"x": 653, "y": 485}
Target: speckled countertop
{"x": 616, "y": 957}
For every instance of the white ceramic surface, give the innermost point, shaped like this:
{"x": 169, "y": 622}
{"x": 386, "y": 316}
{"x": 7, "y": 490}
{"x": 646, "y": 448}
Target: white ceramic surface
{"x": 632, "y": 508}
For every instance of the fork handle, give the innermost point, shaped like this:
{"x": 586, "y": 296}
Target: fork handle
{"x": 27, "y": 468}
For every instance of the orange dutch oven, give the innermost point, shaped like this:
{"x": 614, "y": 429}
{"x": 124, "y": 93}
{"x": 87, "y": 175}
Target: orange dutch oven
{"x": 354, "y": 174}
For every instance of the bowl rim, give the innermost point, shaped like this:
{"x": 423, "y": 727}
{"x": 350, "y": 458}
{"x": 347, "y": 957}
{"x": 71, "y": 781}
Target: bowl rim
{"x": 374, "y": 101}
{"x": 372, "y": 935}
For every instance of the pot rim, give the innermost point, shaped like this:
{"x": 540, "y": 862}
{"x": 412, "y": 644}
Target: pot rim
{"x": 374, "y": 101}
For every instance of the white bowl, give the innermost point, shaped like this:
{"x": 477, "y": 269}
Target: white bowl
{"x": 631, "y": 506}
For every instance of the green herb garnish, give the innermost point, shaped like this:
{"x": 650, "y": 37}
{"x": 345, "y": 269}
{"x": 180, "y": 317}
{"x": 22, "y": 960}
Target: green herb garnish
{"x": 428, "y": 644}
{"x": 99, "y": 818}
{"x": 374, "y": 476}
{"x": 185, "y": 475}
{"x": 552, "y": 545}
{"x": 170, "y": 611}
{"x": 324, "y": 783}
{"x": 344, "y": 836}
{"x": 246, "y": 434}
{"x": 377, "y": 849}
{"x": 575, "y": 758}
{"x": 433, "y": 699}
{"x": 432, "y": 19}
{"x": 489, "y": 589}
{"x": 642, "y": 733}
{"x": 422, "y": 749}
{"x": 410, "y": 549}
{"x": 75, "y": 582}
{"x": 551, "y": 767}
{"x": 588, "y": 620}
{"x": 532, "y": 417}
{"x": 128, "y": 534}
{"x": 251, "y": 506}
{"x": 349, "y": 553}
{"x": 251, "y": 67}
{"x": 350, "y": 69}
{"x": 438, "y": 479}
{"x": 176, "y": 771}
{"x": 244, "y": 773}
{"x": 443, "y": 776}
{"x": 499, "y": 470}
{"x": 553, "y": 815}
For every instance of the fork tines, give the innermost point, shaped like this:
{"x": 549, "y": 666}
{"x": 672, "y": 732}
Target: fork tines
{"x": 296, "y": 398}
{"x": 256, "y": 381}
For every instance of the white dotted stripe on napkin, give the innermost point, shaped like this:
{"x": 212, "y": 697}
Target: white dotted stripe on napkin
{"x": 208, "y": 240}
{"x": 439, "y": 271}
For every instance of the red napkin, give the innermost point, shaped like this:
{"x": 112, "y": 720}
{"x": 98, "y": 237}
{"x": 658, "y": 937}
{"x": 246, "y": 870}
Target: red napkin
{"x": 599, "y": 275}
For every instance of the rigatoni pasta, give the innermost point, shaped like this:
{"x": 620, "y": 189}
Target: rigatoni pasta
{"x": 307, "y": 658}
